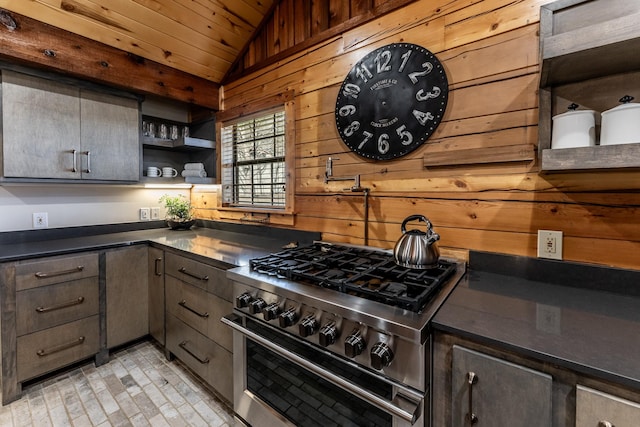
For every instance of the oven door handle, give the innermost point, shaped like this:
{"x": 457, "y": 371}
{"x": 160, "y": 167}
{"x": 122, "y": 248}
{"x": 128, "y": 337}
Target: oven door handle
{"x": 413, "y": 403}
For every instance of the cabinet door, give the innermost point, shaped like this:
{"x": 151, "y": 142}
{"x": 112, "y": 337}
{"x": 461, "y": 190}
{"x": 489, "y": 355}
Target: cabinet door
{"x": 40, "y": 128}
{"x": 110, "y": 137}
{"x": 595, "y": 409}
{"x": 503, "y": 394}
{"x": 127, "y": 295}
{"x": 156, "y": 294}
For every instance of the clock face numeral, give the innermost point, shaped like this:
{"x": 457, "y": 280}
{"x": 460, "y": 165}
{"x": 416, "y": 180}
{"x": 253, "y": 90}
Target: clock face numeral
{"x": 422, "y": 96}
{"x": 351, "y": 90}
{"x": 353, "y": 126}
{"x": 383, "y": 143}
{"x": 367, "y": 137}
{"x": 382, "y": 61}
{"x": 406, "y": 138}
{"x": 391, "y": 101}
{"x": 414, "y": 76}
{"x": 346, "y": 110}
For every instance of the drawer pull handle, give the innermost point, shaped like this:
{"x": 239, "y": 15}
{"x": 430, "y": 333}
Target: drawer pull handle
{"x": 158, "y": 263}
{"x": 605, "y": 424}
{"x": 41, "y": 275}
{"x": 76, "y": 301}
{"x": 75, "y": 160}
{"x": 60, "y": 347}
{"x": 183, "y": 345}
{"x": 183, "y": 303}
{"x": 195, "y": 276}
{"x": 472, "y": 379}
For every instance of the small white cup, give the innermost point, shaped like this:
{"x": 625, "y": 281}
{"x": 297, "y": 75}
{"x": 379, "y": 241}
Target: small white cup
{"x": 169, "y": 172}
{"x": 153, "y": 172}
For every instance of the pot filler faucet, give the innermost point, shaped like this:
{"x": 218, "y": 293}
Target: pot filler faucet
{"x": 356, "y": 188}
{"x": 328, "y": 176}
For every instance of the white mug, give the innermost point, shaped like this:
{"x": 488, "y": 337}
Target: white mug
{"x": 153, "y": 172}
{"x": 169, "y": 172}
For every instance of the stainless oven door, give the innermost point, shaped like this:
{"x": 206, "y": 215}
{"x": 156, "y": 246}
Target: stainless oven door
{"x": 280, "y": 380}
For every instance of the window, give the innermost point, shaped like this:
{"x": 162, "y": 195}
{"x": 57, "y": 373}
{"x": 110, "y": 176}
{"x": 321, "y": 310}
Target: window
{"x": 254, "y": 167}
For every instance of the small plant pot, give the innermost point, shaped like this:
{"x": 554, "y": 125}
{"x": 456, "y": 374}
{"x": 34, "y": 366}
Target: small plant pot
{"x": 180, "y": 225}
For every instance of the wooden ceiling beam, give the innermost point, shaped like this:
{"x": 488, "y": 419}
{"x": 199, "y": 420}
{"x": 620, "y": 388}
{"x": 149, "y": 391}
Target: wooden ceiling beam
{"x": 32, "y": 43}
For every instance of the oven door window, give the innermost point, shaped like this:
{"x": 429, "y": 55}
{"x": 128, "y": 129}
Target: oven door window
{"x": 303, "y": 397}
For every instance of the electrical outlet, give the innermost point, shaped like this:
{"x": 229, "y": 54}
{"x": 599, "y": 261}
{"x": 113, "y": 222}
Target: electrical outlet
{"x": 40, "y": 220}
{"x": 155, "y": 213}
{"x": 145, "y": 214}
{"x": 550, "y": 244}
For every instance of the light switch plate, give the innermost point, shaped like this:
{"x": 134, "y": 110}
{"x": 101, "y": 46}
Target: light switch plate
{"x": 145, "y": 214}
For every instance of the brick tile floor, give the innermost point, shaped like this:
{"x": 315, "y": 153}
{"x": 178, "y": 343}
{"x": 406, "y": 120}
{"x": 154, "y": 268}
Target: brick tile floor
{"x": 138, "y": 387}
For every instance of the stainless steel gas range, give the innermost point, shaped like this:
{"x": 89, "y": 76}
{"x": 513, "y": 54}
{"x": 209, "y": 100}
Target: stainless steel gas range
{"x": 332, "y": 334}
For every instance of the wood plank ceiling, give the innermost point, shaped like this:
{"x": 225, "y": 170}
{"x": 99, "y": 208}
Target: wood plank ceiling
{"x": 200, "y": 37}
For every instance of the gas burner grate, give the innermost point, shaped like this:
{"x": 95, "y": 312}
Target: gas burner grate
{"x": 357, "y": 271}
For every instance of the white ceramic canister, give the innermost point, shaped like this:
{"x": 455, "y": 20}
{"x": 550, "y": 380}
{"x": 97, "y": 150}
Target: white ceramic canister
{"x": 621, "y": 124}
{"x": 575, "y": 128}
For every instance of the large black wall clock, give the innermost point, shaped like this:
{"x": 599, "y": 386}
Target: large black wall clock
{"x": 391, "y": 101}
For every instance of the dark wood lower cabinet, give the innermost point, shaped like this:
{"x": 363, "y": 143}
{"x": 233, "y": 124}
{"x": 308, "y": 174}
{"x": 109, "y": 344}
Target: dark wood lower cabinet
{"x": 197, "y": 296}
{"x": 493, "y": 392}
{"x": 476, "y": 385}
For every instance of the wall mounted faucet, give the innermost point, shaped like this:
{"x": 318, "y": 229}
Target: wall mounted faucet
{"x": 328, "y": 176}
{"x": 356, "y": 188}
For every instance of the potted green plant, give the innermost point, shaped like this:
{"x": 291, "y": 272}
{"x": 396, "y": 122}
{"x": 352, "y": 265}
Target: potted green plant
{"x": 179, "y": 212}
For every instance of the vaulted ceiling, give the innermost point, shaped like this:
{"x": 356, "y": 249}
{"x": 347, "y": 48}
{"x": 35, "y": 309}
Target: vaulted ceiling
{"x": 200, "y": 37}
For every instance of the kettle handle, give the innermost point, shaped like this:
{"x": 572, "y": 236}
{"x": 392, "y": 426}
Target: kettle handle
{"x": 421, "y": 218}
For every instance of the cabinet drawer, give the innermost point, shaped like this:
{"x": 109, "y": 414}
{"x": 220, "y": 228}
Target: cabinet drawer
{"x": 200, "y": 310}
{"x": 594, "y": 408}
{"x": 48, "y": 306}
{"x": 32, "y": 274}
{"x": 53, "y": 348}
{"x": 198, "y": 274}
{"x": 211, "y": 362}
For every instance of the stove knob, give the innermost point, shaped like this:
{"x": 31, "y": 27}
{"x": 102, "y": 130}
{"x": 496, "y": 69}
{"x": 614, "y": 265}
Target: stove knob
{"x": 381, "y": 356}
{"x": 257, "y": 305}
{"x": 271, "y": 311}
{"x": 354, "y": 344}
{"x": 243, "y": 300}
{"x": 308, "y": 326}
{"x": 328, "y": 334}
{"x": 288, "y": 318}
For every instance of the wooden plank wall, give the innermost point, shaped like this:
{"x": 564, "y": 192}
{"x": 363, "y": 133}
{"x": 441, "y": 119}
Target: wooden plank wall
{"x": 490, "y": 51}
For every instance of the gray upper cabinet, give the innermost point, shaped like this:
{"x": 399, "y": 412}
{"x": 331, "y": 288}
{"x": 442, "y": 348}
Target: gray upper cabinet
{"x": 54, "y": 130}
{"x": 487, "y": 391}
{"x": 40, "y": 128}
{"x": 110, "y": 137}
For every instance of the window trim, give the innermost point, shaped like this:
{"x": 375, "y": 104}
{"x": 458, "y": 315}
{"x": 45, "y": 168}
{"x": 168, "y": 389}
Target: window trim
{"x": 258, "y": 108}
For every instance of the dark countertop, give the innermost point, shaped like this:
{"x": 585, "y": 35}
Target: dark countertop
{"x": 231, "y": 246}
{"x": 589, "y": 322}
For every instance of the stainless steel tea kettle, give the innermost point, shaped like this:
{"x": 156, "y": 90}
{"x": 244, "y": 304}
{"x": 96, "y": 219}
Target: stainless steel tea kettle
{"x": 416, "y": 248}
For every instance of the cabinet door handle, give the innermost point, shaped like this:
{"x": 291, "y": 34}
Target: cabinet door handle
{"x": 472, "y": 379}
{"x": 183, "y": 303}
{"x": 183, "y": 345}
{"x": 75, "y": 160}
{"x": 195, "y": 276}
{"x": 41, "y": 275}
{"x": 158, "y": 261}
{"x": 58, "y": 348}
{"x": 88, "y": 154}
{"x": 76, "y": 301}
{"x": 605, "y": 424}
